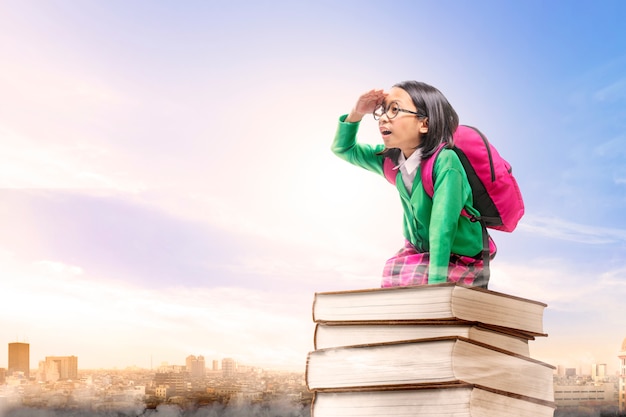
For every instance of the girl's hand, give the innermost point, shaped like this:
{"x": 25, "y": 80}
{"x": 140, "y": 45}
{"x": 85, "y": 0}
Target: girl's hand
{"x": 367, "y": 103}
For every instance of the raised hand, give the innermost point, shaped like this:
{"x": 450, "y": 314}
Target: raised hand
{"x": 367, "y": 103}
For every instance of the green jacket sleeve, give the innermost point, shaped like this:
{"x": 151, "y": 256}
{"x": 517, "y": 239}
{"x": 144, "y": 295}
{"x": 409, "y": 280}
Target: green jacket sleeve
{"x": 346, "y": 147}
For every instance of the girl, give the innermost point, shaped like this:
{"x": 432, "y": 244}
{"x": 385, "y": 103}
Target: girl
{"x": 441, "y": 245}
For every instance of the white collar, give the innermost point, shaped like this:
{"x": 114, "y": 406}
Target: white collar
{"x": 410, "y": 164}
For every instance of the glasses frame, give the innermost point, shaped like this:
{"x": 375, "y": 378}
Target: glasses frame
{"x": 400, "y": 109}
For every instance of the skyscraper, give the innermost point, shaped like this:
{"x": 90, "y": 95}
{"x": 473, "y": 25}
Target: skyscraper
{"x": 598, "y": 371}
{"x": 19, "y": 358}
{"x": 195, "y": 366}
{"x": 229, "y": 366}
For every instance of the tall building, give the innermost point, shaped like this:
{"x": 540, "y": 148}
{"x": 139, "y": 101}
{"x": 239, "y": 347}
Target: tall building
{"x": 19, "y": 358}
{"x": 229, "y": 366}
{"x": 598, "y": 371}
{"x": 195, "y": 366}
{"x": 622, "y": 378}
{"x": 59, "y": 368}
{"x": 189, "y": 361}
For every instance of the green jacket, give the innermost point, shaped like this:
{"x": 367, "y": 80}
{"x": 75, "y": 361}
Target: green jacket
{"x": 431, "y": 225}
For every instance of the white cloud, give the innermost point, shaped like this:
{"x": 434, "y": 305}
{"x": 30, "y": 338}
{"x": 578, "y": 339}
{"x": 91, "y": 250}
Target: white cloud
{"x": 613, "y": 92}
{"x": 564, "y": 287}
{"x": 619, "y": 175}
{"x": 47, "y": 298}
{"x": 30, "y": 163}
{"x": 560, "y": 229}
{"x": 583, "y": 318}
{"x": 612, "y": 148}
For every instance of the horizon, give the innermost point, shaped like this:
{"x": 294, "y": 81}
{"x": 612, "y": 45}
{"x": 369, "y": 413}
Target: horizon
{"x": 582, "y": 369}
{"x": 579, "y": 368}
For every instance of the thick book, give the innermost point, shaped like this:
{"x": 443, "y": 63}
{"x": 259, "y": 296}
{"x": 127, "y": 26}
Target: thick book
{"x": 431, "y": 302}
{"x": 429, "y": 361}
{"x": 329, "y": 335}
{"x": 444, "y": 400}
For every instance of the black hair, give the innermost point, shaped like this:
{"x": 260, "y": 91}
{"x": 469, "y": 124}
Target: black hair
{"x": 442, "y": 118}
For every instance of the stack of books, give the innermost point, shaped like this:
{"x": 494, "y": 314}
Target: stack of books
{"x": 434, "y": 350}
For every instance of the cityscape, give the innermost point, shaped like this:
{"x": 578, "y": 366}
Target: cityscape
{"x": 225, "y": 387}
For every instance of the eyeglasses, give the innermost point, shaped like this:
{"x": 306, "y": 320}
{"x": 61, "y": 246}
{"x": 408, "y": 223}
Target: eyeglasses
{"x": 392, "y": 111}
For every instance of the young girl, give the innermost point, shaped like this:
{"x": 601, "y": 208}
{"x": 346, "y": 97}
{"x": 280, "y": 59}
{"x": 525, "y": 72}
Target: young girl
{"x": 441, "y": 245}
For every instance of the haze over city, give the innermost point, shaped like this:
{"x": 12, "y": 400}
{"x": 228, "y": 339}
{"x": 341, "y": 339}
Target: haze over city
{"x": 167, "y": 187}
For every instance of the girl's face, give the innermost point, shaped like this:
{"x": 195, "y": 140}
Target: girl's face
{"x": 405, "y": 129}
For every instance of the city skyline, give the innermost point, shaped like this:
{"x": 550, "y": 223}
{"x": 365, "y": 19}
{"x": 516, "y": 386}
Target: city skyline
{"x": 190, "y": 358}
{"x": 210, "y": 364}
{"x": 167, "y": 184}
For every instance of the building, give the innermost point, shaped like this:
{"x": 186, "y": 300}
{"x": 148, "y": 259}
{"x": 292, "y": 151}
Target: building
{"x": 229, "y": 367}
{"x": 58, "y": 368}
{"x": 173, "y": 381}
{"x": 598, "y": 371}
{"x": 195, "y": 366}
{"x": 622, "y": 378}
{"x": 163, "y": 392}
{"x": 599, "y": 396}
{"x": 19, "y": 358}
{"x": 594, "y": 395}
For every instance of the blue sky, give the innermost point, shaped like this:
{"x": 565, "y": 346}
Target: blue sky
{"x": 167, "y": 188}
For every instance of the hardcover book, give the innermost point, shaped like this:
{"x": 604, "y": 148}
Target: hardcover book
{"x": 431, "y": 303}
{"x": 328, "y": 335}
{"x": 428, "y": 361}
{"x": 440, "y": 400}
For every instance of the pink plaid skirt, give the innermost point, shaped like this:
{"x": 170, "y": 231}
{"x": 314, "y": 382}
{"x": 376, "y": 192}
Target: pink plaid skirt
{"x": 410, "y": 267}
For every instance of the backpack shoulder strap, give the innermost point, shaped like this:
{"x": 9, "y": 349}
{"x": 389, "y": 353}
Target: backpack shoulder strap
{"x": 388, "y": 170}
{"x": 428, "y": 178}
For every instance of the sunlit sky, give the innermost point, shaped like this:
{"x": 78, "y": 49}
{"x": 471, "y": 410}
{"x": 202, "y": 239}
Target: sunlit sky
{"x": 167, "y": 187}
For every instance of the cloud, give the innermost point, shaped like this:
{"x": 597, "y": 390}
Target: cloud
{"x": 564, "y": 286}
{"x": 559, "y": 229}
{"x": 614, "y": 148}
{"x": 135, "y": 240}
{"x": 612, "y": 92}
{"x": 105, "y": 319}
{"x": 120, "y": 236}
{"x": 579, "y": 302}
{"x": 30, "y": 163}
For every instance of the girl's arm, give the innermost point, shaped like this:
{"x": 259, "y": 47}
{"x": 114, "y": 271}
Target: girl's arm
{"x": 359, "y": 154}
{"x": 345, "y": 145}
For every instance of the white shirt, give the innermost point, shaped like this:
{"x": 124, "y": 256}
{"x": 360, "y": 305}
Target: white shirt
{"x": 408, "y": 168}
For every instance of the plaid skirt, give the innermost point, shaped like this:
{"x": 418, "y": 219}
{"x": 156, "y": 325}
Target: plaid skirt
{"x": 410, "y": 267}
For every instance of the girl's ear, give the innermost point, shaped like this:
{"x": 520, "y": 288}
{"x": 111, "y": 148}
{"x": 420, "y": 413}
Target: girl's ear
{"x": 423, "y": 128}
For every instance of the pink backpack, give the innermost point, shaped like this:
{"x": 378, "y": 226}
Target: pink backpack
{"x": 497, "y": 196}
